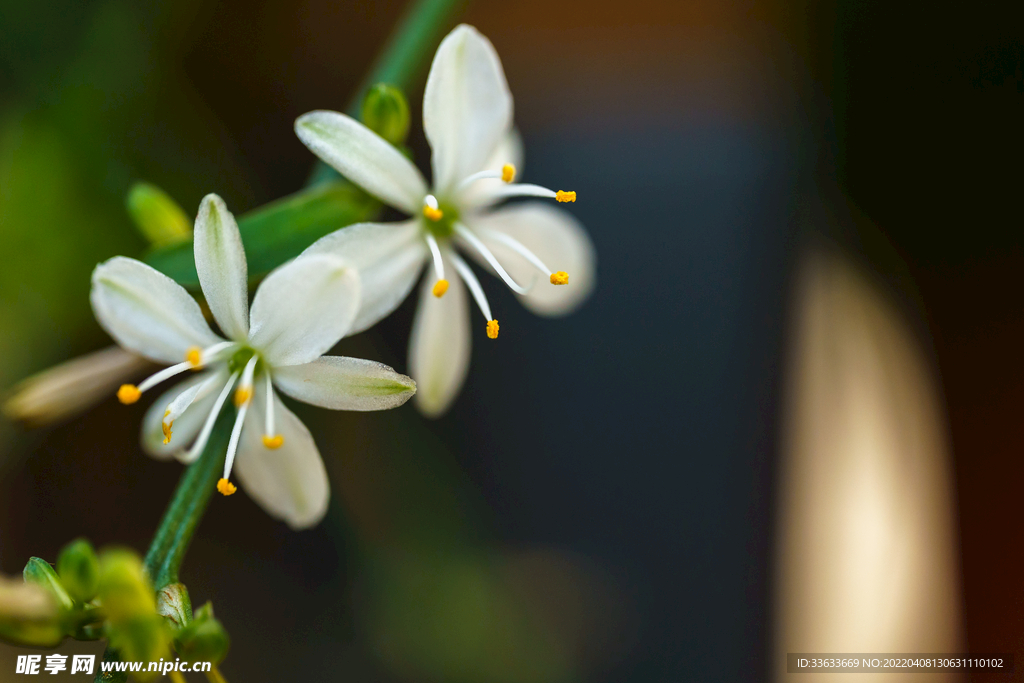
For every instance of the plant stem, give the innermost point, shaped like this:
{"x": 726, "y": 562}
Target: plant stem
{"x": 403, "y": 58}
{"x": 187, "y": 506}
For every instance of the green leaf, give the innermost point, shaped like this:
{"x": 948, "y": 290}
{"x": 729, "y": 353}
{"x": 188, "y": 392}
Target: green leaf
{"x": 278, "y": 231}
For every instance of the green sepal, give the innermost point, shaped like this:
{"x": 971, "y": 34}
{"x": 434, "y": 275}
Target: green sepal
{"x": 79, "y": 570}
{"x": 174, "y": 604}
{"x": 278, "y": 231}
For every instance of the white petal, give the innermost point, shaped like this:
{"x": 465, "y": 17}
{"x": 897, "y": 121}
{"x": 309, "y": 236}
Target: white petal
{"x": 147, "y": 312}
{"x": 439, "y": 347}
{"x": 557, "y": 239}
{"x": 342, "y": 383}
{"x": 363, "y": 157}
{"x": 467, "y": 106}
{"x": 303, "y": 308}
{"x": 388, "y": 257}
{"x": 73, "y": 386}
{"x": 187, "y": 426}
{"x": 508, "y": 151}
{"x": 220, "y": 262}
{"x": 289, "y": 482}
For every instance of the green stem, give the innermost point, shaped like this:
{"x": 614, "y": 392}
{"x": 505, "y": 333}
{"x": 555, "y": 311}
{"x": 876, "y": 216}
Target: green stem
{"x": 187, "y": 506}
{"x": 403, "y": 58}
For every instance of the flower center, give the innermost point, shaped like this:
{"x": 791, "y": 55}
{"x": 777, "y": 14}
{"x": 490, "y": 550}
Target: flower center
{"x": 439, "y": 218}
{"x": 240, "y": 358}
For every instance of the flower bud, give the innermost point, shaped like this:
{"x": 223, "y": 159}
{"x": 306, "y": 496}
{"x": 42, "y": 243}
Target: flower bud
{"x": 386, "y": 113}
{"x": 156, "y": 215}
{"x": 29, "y": 614}
{"x": 174, "y": 604}
{"x": 142, "y": 638}
{"x": 79, "y": 570}
{"x": 204, "y": 639}
{"x": 124, "y": 590}
{"x": 39, "y": 572}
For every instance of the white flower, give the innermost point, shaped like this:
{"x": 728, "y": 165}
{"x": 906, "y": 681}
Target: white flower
{"x": 467, "y": 116}
{"x": 299, "y": 312}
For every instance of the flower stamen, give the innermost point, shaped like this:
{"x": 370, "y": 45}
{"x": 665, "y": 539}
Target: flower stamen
{"x": 226, "y": 487}
{"x": 430, "y": 208}
{"x": 244, "y": 385}
{"x": 204, "y": 434}
{"x": 128, "y": 394}
{"x": 195, "y": 357}
{"x": 166, "y": 426}
{"x": 561, "y": 196}
{"x": 441, "y": 286}
{"x": 475, "y": 242}
{"x": 478, "y": 294}
{"x": 508, "y": 173}
{"x": 277, "y": 440}
{"x": 560, "y": 278}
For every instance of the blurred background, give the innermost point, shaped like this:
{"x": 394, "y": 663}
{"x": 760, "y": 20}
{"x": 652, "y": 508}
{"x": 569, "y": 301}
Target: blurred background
{"x": 601, "y": 502}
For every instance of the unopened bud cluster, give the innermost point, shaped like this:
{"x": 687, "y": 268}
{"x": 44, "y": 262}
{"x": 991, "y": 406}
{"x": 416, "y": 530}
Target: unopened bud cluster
{"x": 109, "y": 595}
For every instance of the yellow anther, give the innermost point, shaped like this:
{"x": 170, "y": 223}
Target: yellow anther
{"x": 432, "y": 214}
{"x": 166, "y": 426}
{"x": 195, "y": 357}
{"x": 128, "y": 394}
{"x": 508, "y": 173}
{"x": 226, "y": 487}
{"x": 560, "y": 278}
{"x": 440, "y": 287}
{"x": 273, "y": 442}
{"x": 242, "y": 396}
{"x": 492, "y": 329}
{"x": 563, "y": 196}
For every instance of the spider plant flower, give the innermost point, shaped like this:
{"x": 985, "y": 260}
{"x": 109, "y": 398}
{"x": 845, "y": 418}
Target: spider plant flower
{"x": 533, "y": 247}
{"x": 298, "y": 312}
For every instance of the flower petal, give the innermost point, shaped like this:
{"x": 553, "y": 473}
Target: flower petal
{"x": 303, "y": 308}
{"x": 342, "y": 383}
{"x": 147, "y": 312}
{"x": 388, "y": 256}
{"x": 467, "y": 106}
{"x": 363, "y": 157}
{"x": 289, "y": 482}
{"x": 508, "y": 151}
{"x": 220, "y": 262}
{"x": 187, "y": 426}
{"x": 439, "y": 347}
{"x": 73, "y": 386}
{"x": 556, "y": 238}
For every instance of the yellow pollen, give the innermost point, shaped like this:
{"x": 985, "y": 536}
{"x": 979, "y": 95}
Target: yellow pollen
{"x": 128, "y": 394}
{"x": 432, "y": 214}
{"x": 242, "y": 396}
{"x": 226, "y": 487}
{"x": 563, "y": 196}
{"x": 508, "y": 173}
{"x": 166, "y": 426}
{"x": 440, "y": 287}
{"x": 560, "y": 278}
{"x": 194, "y": 356}
{"x": 492, "y": 329}
{"x": 273, "y": 442}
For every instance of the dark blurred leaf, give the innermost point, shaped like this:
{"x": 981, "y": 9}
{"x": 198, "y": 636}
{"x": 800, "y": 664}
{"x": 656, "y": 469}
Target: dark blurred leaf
{"x": 280, "y": 230}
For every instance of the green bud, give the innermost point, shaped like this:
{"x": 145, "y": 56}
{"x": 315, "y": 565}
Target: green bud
{"x": 174, "y": 604}
{"x": 386, "y": 113}
{"x": 124, "y": 590}
{"x": 39, "y": 572}
{"x": 157, "y": 216}
{"x": 142, "y": 638}
{"x": 204, "y": 639}
{"x": 29, "y": 614}
{"x": 79, "y": 570}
